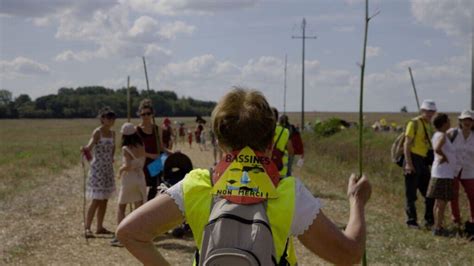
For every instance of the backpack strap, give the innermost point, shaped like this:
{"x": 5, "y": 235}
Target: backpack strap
{"x": 283, "y": 260}
{"x": 426, "y": 134}
{"x": 453, "y": 135}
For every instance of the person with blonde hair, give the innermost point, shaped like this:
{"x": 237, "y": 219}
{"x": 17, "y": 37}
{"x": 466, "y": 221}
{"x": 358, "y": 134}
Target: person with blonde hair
{"x": 243, "y": 121}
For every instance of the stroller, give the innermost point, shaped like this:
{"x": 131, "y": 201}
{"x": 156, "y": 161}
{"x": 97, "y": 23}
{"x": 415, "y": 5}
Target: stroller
{"x": 177, "y": 165}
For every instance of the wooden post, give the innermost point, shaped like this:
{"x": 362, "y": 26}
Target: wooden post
{"x": 129, "y": 101}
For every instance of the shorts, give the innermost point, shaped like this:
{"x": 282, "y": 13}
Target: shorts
{"x": 441, "y": 188}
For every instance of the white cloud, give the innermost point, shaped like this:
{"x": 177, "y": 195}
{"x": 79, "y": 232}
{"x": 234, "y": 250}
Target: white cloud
{"x": 452, "y": 16}
{"x": 107, "y": 24}
{"x": 200, "y": 67}
{"x": 20, "y": 67}
{"x": 144, "y": 26}
{"x": 174, "y": 7}
{"x": 114, "y": 35}
{"x": 42, "y": 22}
{"x": 447, "y": 83}
{"x": 403, "y": 65}
{"x": 45, "y": 8}
{"x": 206, "y": 77}
{"x": 373, "y": 51}
{"x": 170, "y": 30}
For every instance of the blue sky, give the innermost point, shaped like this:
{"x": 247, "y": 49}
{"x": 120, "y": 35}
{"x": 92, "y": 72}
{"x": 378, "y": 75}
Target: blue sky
{"x": 200, "y": 48}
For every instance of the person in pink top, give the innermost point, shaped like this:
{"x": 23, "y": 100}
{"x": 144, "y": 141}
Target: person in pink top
{"x": 463, "y": 141}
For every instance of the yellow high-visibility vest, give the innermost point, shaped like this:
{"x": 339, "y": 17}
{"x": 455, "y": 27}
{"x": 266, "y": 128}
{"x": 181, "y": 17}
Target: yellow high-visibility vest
{"x": 281, "y": 145}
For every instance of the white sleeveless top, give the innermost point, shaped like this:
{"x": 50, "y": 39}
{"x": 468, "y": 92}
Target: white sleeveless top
{"x": 464, "y": 149}
{"x": 445, "y": 169}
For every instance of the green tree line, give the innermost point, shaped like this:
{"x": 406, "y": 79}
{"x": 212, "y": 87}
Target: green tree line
{"x": 84, "y": 102}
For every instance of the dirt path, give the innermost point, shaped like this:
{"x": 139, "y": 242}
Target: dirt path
{"x": 44, "y": 226}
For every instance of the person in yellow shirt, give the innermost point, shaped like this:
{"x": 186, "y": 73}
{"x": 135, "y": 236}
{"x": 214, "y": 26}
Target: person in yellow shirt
{"x": 416, "y": 168}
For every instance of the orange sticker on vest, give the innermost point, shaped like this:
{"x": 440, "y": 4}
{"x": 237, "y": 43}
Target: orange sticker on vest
{"x": 245, "y": 177}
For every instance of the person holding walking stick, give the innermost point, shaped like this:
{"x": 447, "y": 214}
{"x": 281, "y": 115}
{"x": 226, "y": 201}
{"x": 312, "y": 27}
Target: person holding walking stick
{"x": 101, "y": 181}
{"x": 245, "y": 125}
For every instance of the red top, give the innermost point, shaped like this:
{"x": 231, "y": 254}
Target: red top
{"x": 149, "y": 141}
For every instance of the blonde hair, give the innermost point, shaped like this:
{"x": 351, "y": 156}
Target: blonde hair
{"x": 243, "y": 118}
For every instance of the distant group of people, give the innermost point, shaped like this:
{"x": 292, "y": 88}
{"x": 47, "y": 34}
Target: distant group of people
{"x": 141, "y": 145}
{"x": 437, "y": 162}
{"x": 383, "y": 125}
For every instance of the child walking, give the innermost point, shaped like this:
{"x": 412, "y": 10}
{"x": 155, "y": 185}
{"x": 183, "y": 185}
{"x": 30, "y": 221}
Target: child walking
{"x": 133, "y": 184}
{"x": 101, "y": 183}
{"x": 442, "y": 172}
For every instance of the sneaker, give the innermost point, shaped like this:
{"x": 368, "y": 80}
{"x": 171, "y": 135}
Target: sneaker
{"x": 413, "y": 225}
{"x": 440, "y": 232}
{"x": 115, "y": 243}
{"x": 429, "y": 225}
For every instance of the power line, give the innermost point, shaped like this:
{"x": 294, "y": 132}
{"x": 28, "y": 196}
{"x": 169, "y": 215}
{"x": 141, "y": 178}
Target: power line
{"x": 303, "y": 38}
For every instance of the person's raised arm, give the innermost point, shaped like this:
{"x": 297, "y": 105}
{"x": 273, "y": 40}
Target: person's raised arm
{"x": 137, "y": 231}
{"x": 341, "y": 247}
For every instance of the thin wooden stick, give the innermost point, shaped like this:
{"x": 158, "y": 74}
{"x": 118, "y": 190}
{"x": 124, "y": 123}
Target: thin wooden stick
{"x": 153, "y": 116}
{"x": 361, "y": 101}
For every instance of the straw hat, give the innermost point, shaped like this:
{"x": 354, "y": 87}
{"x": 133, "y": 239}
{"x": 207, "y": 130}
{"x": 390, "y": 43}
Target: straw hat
{"x": 128, "y": 129}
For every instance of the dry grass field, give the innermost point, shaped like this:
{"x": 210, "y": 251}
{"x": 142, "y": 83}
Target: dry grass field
{"x": 41, "y": 198}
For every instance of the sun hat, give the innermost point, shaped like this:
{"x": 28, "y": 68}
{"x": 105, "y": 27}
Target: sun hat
{"x": 428, "y": 105}
{"x": 465, "y": 114}
{"x": 128, "y": 129}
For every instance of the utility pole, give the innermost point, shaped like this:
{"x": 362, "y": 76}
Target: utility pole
{"x": 472, "y": 56}
{"x": 129, "y": 101}
{"x": 414, "y": 88}
{"x": 284, "y": 88}
{"x": 303, "y": 37}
